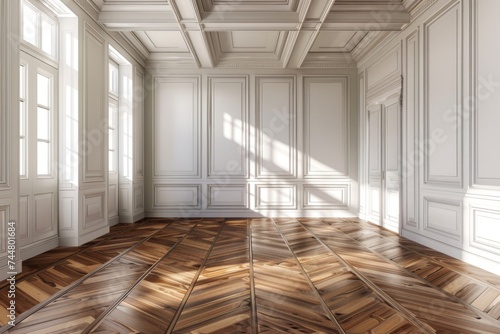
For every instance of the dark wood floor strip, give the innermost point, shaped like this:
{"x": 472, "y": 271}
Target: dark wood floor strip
{"x": 255, "y": 321}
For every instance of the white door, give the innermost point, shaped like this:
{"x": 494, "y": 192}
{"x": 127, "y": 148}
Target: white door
{"x": 38, "y": 155}
{"x": 384, "y": 164}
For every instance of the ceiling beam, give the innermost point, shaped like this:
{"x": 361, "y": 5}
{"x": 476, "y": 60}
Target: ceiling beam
{"x": 188, "y": 17}
{"x": 139, "y": 20}
{"x": 304, "y": 38}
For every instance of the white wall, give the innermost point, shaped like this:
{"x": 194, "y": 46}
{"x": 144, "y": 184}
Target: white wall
{"x": 9, "y": 122}
{"x": 230, "y": 143}
{"x": 451, "y": 164}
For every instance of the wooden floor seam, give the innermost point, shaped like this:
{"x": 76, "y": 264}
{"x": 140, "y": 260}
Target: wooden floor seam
{"x": 251, "y": 275}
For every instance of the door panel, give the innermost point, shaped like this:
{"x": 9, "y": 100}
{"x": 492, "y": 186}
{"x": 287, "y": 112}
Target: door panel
{"x": 392, "y": 166}
{"x": 38, "y": 172}
{"x": 384, "y": 164}
{"x": 374, "y": 162}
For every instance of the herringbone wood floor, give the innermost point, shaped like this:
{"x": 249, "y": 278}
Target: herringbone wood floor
{"x": 252, "y": 276}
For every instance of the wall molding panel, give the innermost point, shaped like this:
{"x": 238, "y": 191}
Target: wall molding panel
{"x": 443, "y": 220}
{"x": 322, "y": 196}
{"x": 176, "y": 119}
{"x": 94, "y": 106}
{"x": 275, "y": 196}
{"x": 94, "y": 210}
{"x": 485, "y": 111}
{"x": 276, "y": 127}
{"x": 326, "y": 127}
{"x": 228, "y": 126}
{"x": 443, "y": 132}
{"x": 411, "y": 120}
{"x": 485, "y": 228}
{"x": 234, "y": 196}
{"x": 177, "y": 196}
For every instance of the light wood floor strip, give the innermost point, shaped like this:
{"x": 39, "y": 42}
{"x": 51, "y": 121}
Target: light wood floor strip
{"x": 253, "y": 276}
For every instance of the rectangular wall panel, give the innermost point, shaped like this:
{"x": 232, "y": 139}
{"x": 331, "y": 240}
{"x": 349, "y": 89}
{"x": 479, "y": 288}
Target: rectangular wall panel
{"x": 113, "y": 200}
{"x": 138, "y": 199}
{"x": 177, "y": 127}
{"x": 385, "y": 68}
{"x": 228, "y": 126}
{"x": 138, "y": 125}
{"x": 276, "y": 127}
{"x": 44, "y": 216}
{"x": 275, "y": 196}
{"x": 325, "y": 196}
{"x": 443, "y": 219}
{"x": 410, "y": 162}
{"x": 485, "y": 129}
{"x": 485, "y": 229}
{"x": 94, "y": 210}
{"x": 22, "y": 227}
{"x": 4, "y": 219}
{"x": 94, "y": 109}
{"x": 67, "y": 210}
{"x": 228, "y": 196}
{"x": 442, "y": 112}
{"x": 177, "y": 196}
{"x": 326, "y": 147}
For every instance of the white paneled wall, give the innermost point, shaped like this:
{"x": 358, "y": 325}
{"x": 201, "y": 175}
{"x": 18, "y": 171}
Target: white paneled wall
{"x": 9, "y": 122}
{"x": 450, "y": 121}
{"x": 239, "y": 144}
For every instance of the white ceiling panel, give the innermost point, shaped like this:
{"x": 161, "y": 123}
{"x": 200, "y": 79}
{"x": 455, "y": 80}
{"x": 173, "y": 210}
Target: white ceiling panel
{"x": 253, "y": 33}
{"x": 163, "y": 41}
{"x": 337, "y": 41}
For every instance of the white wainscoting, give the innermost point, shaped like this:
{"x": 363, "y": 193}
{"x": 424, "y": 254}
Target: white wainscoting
{"x": 443, "y": 130}
{"x": 275, "y": 196}
{"x": 243, "y": 144}
{"x": 485, "y": 109}
{"x": 443, "y": 220}
{"x": 326, "y": 127}
{"x": 276, "y": 127}
{"x": 94, "y": 210}
{"x": 94, "y": 106}
{"x": 228, "y": 126}
{"x": 176, "y": 132}
{"x": 233, "y": 196}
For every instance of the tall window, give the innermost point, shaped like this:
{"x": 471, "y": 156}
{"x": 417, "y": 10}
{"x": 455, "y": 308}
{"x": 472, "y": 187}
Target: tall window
{"x": 113, "y": 116}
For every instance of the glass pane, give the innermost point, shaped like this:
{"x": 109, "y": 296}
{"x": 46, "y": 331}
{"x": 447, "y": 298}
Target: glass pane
{"x": 111, "y": 139}
{"x": 48, "y": 36}
{"x": 111, "y": 161}
{"x": 22, "y": 82}
{"x": 43, "y": 123}
{"x": 113, "y": 78}
{"x": 22, "y": 157}
{"x": 112, "y": 114}
{"x": 22, "y": 118}
{"x": 43, "y": 90}
{"x": 30, "y": 25}
{"x": 43, "y": 158}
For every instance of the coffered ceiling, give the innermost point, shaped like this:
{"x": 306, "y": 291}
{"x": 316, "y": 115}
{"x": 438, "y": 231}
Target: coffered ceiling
{"x": 253, "y": 33}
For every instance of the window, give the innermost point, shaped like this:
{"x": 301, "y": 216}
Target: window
{"x": 44, "y": 123}
{"x": 39, "y": 30}
{"x": 113, "y": 117}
